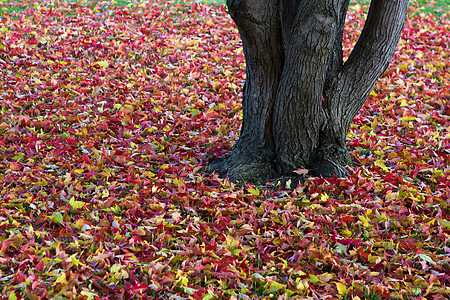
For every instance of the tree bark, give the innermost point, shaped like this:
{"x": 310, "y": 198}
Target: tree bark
{"x": 351, "y": 86}
{"x": 259, "y": 25}
{"x": 299, "y": 97}
{"x": 299, "y": 116}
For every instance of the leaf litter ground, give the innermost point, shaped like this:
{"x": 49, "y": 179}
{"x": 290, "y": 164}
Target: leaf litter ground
{"x": 108, "y": 113}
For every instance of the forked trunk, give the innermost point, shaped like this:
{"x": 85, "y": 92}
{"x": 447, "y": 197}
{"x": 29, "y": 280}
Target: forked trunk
{"x": 299, "y": 97}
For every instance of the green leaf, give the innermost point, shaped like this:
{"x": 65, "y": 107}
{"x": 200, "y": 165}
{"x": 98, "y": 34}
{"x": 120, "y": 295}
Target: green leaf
{"x": 275, "y": 286}
{"x": 254, "y": 192}
{"x": 89, "y": 295}
{"x": 313, "y": 278}
{"x": 406, "y": 119}
{"x": 57, "y": 217}
{"x": 301, "y": 203}
{"x": 188, "y": 290}
{"x": 210, "y": 295}
{"x": 445, "y": 223}
{"x": 426, "y": 258}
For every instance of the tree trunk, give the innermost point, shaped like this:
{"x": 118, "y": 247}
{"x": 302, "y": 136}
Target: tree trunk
{"x": 299, "y": 97}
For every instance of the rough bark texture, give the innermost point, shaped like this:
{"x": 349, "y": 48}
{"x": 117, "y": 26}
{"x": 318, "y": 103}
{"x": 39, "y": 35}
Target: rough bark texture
{"x": 299, "y": 97}
{"x": 259, "y": 25}
{"x": 298, "y": 114}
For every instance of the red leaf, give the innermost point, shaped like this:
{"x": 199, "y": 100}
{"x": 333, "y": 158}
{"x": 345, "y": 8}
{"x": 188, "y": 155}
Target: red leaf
{"x": 40, "y": 265}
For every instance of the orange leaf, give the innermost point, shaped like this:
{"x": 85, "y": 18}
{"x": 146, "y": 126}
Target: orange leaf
{"x": 15, "y": 166}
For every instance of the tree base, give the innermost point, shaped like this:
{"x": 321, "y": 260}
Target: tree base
{"x": 326, "y": 168}
{"x": 243, "y": 168}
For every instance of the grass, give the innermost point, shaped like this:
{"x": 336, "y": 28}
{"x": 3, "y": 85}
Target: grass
{"x": 427, "y": 6}
{"x": 9, "y": 6}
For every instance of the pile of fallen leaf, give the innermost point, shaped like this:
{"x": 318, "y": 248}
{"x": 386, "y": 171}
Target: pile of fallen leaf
{"x": 108, "y": 113}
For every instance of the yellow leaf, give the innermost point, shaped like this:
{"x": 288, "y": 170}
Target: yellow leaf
{"x": 392, "y": 155}
{"x": 356, "y": 7}
{"x": 76, "y": 204}
{"x": 302, "y": 284}
{"x": 403, "y": 103}
{"x": 276, "y": 242}
{"x": 342, "y": 289}
{"x": 380, "y": 164}
{"x": 79, "y": 223}
{"x": 400, "y": 82}
{"x": 364, "y": 220}
{"x": 231, "y": 242}
{"x": 105, "y": 193}
{"x": 288, "y": 184}
{"x": 184, "y": 281}
{"x": 12, "y": 296}
{"x": 102, "y": 63}
{"x": 374, "y": 123}
{"x": 391, "y": 196}
{"x": 347, "y": 233}
{"x": 62, "y": 279}
{"x": 324, "y": 197}
{"x": 325, "y": 277}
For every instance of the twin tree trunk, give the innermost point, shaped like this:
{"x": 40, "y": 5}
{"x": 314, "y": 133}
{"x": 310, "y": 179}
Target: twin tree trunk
{"x": 299, "y": 96}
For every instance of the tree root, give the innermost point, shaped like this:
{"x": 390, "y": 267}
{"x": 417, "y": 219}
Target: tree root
{"x": 243, "y": 170}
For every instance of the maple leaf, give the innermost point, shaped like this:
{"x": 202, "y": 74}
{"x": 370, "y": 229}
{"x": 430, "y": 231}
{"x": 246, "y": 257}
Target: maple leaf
{"x": 15, "y": 166}
{"x": 301, "y": 171}
{"x": 107, "y": 115}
